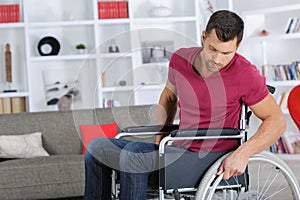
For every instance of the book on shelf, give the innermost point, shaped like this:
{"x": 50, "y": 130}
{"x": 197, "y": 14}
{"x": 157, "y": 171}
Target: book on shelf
{"x": 288, "y": 143}
{"x": 296, "y": 63}
{"x": 103, "y": 79}
{"x": 282, "y": 99}
{"x": 278, "y": 147}
{"x": 12, "y": 105}
{"x": 18, "y": 104}
{"x": 9, "y": 13}
{"x": 6, "y": 104}
{"x": 293, "y": 25}
{"x": 288, "y": 25}
{"x": 1, "y": 106}
{"x": 291, "y": 142}
{"x": 123, "y": 9}
{"x": 112, "y": 9}
{"x": 284, "y": 72}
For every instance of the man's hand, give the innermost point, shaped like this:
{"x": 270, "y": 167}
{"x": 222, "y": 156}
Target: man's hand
{"x": 158, "y": 138}
{"x": 235, "y": 164}
{"x": 273, "y": 125}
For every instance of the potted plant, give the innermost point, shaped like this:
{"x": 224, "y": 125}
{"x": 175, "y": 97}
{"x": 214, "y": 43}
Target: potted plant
{"x": 80, "y": 48}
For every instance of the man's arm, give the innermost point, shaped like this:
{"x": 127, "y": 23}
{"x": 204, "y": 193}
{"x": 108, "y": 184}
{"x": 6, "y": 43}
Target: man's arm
{"x": 167, "y": 107}
{"x": 273, "y": 125}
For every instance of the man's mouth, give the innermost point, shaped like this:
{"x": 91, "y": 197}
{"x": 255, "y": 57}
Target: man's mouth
{"x": 214, "y": 65}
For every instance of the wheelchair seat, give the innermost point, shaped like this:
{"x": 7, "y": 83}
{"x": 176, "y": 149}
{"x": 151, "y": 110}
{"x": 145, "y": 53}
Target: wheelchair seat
{"x": 187, "y": 170}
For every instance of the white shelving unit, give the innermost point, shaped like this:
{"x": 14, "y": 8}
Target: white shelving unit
{"x": 128, "y": 80}
{"x": 144, "y": 81}
{"x": 275, "y": 48}
{"x": 13, "y": 33}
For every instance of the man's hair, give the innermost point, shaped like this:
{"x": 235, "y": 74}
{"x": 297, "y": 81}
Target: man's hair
{"x": 227, "y": 25}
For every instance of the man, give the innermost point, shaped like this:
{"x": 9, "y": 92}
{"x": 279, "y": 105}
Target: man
{"x": 209, "y": 84}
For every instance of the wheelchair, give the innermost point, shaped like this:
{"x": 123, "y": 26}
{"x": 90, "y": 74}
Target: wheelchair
{"x": 266, "y": 176}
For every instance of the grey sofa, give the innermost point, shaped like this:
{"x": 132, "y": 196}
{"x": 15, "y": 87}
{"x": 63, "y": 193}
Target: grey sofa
{"x": 60, "y": 175}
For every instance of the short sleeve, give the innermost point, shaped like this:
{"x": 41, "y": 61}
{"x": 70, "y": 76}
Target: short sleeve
{"x": 171, "y": 71}
{"x": 252, "y": 87}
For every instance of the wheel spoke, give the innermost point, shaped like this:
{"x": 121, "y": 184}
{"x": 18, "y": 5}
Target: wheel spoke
{"x": 270, "y": 179}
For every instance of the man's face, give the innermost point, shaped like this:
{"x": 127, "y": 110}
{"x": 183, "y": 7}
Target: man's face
{"x": 217, "y": 54}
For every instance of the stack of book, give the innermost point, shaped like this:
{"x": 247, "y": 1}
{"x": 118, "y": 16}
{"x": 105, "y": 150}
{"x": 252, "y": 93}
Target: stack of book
{"x": 12, "y": 105}
{"x": 9, "y": 13}
{"x": 288, "y": 143}
{"x": 112, "y": 9}
{"x": 293, "y": 25}
{"x": 282, "y": 72}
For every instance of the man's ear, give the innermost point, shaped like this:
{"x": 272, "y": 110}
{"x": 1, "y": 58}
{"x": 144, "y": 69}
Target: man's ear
{"x": 203, "y": 35}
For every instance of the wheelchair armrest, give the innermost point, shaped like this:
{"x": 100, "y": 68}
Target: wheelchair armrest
{"x": 205, "y": 132}
{"x": 152, "y": 128}
{"x": 271, "y": 89}
{"x": 147, "y": 130}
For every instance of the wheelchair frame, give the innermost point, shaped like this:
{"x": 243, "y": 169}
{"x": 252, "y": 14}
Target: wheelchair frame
{"x": 209, "y": 183}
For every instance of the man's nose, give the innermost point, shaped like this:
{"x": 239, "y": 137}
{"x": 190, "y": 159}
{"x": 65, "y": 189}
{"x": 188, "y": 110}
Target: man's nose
{"x": 217, "y": 57}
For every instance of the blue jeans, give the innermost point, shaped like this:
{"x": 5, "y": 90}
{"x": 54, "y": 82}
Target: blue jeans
{"x": 134, "y": 160}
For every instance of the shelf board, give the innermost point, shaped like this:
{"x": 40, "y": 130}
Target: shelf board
{"x": 129, "y": 88}
{"x": 14, "y": 94}
{"x": 284, "y": 83}
{"x": 117, "y": 89}
{"x": 62, "y": 57}
{"x": 150, "y": 87}
{"x": 60, "y": 23}
{"x": 113, "y": 21}
{"x": 276, "y": 37}
{"x": 273, "y": 10}
{"x": 161, "y": 20}
{"x": 114, "y": 55}
{"x": 155, "y": 64}
{"x": 11, "y": 25}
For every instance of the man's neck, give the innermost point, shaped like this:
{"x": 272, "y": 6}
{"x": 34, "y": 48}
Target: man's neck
{"x": 200, "y": 66}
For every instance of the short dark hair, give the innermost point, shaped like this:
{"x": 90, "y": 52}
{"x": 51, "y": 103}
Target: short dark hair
{"x": 227, "y": 25}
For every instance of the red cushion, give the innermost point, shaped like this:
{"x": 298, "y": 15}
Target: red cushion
{"x": 294, "y": 105}
{"x": 90, "y": 132}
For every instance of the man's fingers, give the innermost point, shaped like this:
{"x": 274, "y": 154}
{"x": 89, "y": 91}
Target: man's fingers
{"x": 226, "y": 175}
{"x": 221, "y": 170}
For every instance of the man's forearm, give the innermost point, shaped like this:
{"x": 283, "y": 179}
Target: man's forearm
{"x": 269, "y": 131}
{"x": 167, "y": 108}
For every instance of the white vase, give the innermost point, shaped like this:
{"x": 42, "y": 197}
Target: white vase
{"x": 160, "y": 11}
{"x": 81, "y": 51}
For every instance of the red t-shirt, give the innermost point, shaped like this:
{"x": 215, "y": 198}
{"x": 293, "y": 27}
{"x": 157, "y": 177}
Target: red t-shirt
{"x": 215, "y": 101}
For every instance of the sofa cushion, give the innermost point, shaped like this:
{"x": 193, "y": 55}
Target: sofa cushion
{"x": 90, "y": 132}
{"x": 22, "y": 146}
{"x": 53, "y": 176}
{"x": 61, "y": 134}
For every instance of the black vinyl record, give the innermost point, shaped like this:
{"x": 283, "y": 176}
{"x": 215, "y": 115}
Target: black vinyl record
{"x": 48, "y": 46}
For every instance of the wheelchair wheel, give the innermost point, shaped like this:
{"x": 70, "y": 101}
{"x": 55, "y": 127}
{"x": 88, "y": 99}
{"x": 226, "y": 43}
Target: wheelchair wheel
{"x": 269, "y": 178}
